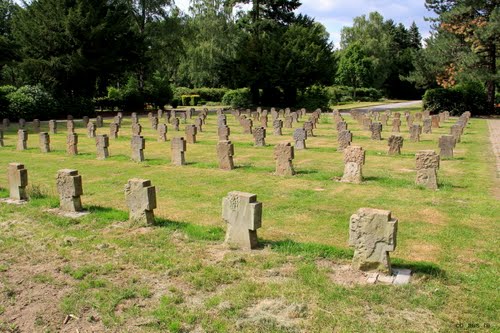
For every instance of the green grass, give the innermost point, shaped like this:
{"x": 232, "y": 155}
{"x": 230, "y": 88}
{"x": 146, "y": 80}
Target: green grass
{"x": 176, "y": 275}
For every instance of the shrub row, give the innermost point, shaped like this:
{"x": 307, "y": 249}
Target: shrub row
{"x": 28, "y": 102}
{"x": 204, "y": 95}
{"x": 458, "y": 99}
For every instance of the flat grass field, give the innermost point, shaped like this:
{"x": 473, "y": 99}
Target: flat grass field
{"x": 99, "y": 274}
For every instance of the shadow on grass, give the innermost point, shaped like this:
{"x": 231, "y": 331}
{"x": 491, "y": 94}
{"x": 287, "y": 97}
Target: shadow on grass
{"x": 195, "y": 232}
{"x": 306, "y": 172}
{"x": 244, "y": 166}
{"x": 308, "y": 250}
{"x": 421, "y": 267}
{"x": 389, "y": 181}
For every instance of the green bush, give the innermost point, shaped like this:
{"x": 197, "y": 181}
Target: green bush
{"x": 31, "y": 102}
{"x": 456, "y": 100}
{"x": 339, "y": 94}
{"x": 206, "y": 94}
{"x": 314, "y": 97}
{"x": 238, "y": 98}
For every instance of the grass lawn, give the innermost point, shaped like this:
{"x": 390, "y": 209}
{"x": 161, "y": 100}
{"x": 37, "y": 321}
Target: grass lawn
{"x": 97, "y": 273}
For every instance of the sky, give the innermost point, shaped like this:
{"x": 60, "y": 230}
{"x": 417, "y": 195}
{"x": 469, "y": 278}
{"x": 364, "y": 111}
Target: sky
{"x": 335, "y": 14}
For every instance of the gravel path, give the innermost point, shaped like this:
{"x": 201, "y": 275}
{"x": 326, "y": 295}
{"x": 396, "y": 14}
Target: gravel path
{"x": 494, "y": 126}
{"x": 390, "y": 106}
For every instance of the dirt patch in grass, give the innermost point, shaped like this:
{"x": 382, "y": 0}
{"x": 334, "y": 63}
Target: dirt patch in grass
{"x": 423, "y": 252}
{"x": 343, "y": 274}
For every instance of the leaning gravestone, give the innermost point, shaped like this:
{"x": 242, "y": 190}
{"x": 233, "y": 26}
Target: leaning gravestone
{"x": 354, "y": 158}
{"x": 243, "y": 215}
{"x": 22, "y": 139}
{"x": 44, "y": 140}
{"x": 223, "y": 132}
{"x": 446, "y": 145}
{"x": 102, "y": 144}
{"x": 299, "y": 137}
{"x": 72, "y": 144}
{"x": 283, "y": 154}
{"x": 427, "y": 164}
{"x": 52, "y": 127}
{"x": 138, "y": 144}
{"x": 277, "y": 126}
{"x": 259, "y": 135}
{"x": 18, "y": 180}
{"x": 225, "y": 153}
{"x": 69, "y": 186}
{"x": 395, "y": 143}
{"x": 178, "y": 148}
{"x": 140, "y": 196}
{"x": 344, "y": 140}
{"x": 162, "y": 132}
{"x": 191, "y": 132}
{"x": 376, "y": 130}
{"x": 372, "y": 233}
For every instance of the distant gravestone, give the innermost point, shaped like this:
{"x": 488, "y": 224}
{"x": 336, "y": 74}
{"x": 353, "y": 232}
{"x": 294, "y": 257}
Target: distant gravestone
{"x": 178, "y": 148}
{"x": 300, "y": 137}
{"x": 415, "y": 131}
{"x": 99, "y": 121}
{"x": 284, "y": 155}
{"x": 247, "y": 126}
{"x": 427, "y": 162}
{"x": 191, "y": 132}
{"x": 140, "y": 196}
{"x": 138, "y": 144}
{"x": 288, "y": 122}
{"x": 221, "y": 120}
{"x": 72, "y": 144}
{"x": 91, "y": 129}
{"x": 136, "y": 129}
{"x": 22, "y": 139}
{"x": 36, "y": 125}
{"x": 341, "y": 126}
{"x": 70, "y": 126}
{"x": 418, "y": 116}
{"x": 223, "y": 132}
{"x": 376, "y": 131}
{"x": 435, "y": 121}
{"x": 52, "y": 127}
{"x": 446, "y": 145}
{"x": 243, "y": 215}
{"x": 18, "y": 180}
{"x": 134, "y": 118}
{"x": 367, "y": 123}
{"x": 69, "y": 187}
{"x": 277, "y": 126}
{"x": 456, "y": 132}
{"x": 395, "y": 143}
{"x": 308, "y": 126}
{"x": 113, "y": 130}
{"x": 354, "y": 158}
{"x": 175, "y": 124}
{"x": 225, "y": 153}
{"x": 44, "y": 141}
{"x": 344, "y": 140}
{"x": 102, "y": 144}
{"x": 22, "y": 123}
{"x": 427, "y": 126}
{"x": 198, "y": 122}
{"x": 372, "y": 233}
{"x": 295, "y": 117}
{"x": 85, "y": 120}
{"x": 396, "y": 125}
{"x": 154, "y": 123}
{"x": 263, "y": 121}
{"x": 162, "y": 132}
{"x": 5, "y": 123}
{"x": 383, "y": 119}
{"x": 259, "y": 135}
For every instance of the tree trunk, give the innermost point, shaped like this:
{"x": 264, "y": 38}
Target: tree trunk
{"x": 490, "y": 84}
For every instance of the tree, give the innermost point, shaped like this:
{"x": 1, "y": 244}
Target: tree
{"x": 473, "y": 27}
{"x": 8, "y": 47}
{"x": 355, "y": 67}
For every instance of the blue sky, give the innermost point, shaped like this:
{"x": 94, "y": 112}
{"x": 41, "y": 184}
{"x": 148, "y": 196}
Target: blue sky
{"x": 335, "y": 14}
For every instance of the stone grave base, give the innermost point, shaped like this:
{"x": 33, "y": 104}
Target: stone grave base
{"x": 399, "y": 277}
{"x": 73, "y": 215}
{"x": 13, "y": 201}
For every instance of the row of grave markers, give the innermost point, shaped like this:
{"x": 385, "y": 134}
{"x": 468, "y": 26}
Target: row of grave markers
{"x": 241, "y": 211}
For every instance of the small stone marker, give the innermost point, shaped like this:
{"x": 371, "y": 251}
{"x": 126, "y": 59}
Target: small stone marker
{"x": 288, "y": 122}
{"x": 175, "y": 123}
{"x": 372, "y": 233}
{"x": 259, "y": 135}
{"x": 344, "y": 140}
{"x": 446, "y": 144}
{"x": 154, "y": 123}
{"x": 198, "y": 122}
{"x": 138, "y": 144}
{"x": 300, "y": 137}
{"x": 225, "y": 153}
{"x": 396, "y": 125}
{"x": 113, "y": 130}
{"x": 376, "y": 129}
{"x": 415, "y": 131}
{"x": 18, "y": 180}
{"x": 140, "y": 196}
{"x": 191, "y": 132}
{"x": 367, "y": 122}
{"x": 383, "y": 119}
{"x": 178, "y": 148}
{"x": 99, "y": 122}
{"x": 36, "y": 125}
{"x": 427, "y": 126}
{"x": 44, "y": 141}
{"x": 22, "y": 123}
{"x": 247, "y": 126}
{"x": 22, "y": 139}
{"x": 263, "y": 121}
{"x": 395, "y": 143}
{"x": 223, "y": 133}
{"x": 277, "y": 126}
{"x": 435, "y": 121}
{"x": 221, "y": 120}
{"x": 309, "y": 126}
{"x": 52, "y": 127}
{"x": 427, "y": 165}
{"x": 136, "y": 129}
{"x": 162, "y": 132}
{"x": 91, "y": 128}
{"x": 102, "y": 144}
{"x": 354, "y": 158}
{"x": 69, "y": 186}
{"x": 341, "y": 126}
{"x": 134, "y": 118}
{"x": 283, "y": 154}
{"x": 70, "y": 125}
{"x": 456, "y": 132}
{"x": 243, "y": 214}
{"x": 72, "y": 144}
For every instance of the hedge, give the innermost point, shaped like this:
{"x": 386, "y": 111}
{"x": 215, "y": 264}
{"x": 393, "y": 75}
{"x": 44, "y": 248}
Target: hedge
{"x": 238, "y": 98}
{"x": 456, "y": 100}
{"x": 206, "y": 94}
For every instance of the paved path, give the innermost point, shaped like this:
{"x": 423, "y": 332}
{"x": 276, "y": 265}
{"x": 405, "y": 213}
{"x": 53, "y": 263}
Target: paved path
{"x": 390, "y": 106}
{"x": 494, "y": 126}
